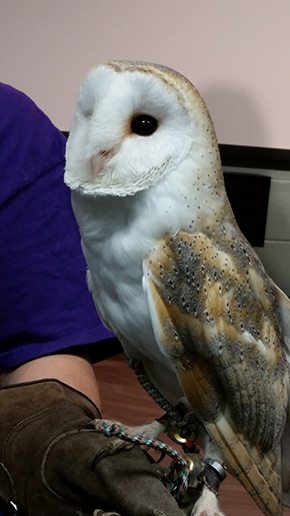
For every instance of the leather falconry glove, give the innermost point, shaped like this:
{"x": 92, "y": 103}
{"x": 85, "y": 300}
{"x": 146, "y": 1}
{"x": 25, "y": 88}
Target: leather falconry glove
{"x": 50, "y": 462}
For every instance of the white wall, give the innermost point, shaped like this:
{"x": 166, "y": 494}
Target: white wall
{"x": 235, "y": 51}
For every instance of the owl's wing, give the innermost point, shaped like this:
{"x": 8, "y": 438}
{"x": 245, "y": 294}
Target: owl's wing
{"x": 284, "y": 304}
{"x": 214, "y": 312}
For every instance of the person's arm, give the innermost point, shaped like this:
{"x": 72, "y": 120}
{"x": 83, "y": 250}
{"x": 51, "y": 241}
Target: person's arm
{"x": 45, "y": 305}
{"x": 72, "y": 368}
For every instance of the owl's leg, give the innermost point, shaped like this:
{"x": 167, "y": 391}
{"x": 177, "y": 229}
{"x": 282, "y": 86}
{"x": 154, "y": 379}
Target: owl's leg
{"x": 148, "y": 431}
{"x": 207, "y": 504}
{"x": 213, "y": 474}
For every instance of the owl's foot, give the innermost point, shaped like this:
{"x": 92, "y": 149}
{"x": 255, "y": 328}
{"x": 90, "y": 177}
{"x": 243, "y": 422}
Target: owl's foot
{"x": 112, "y": 428}
{"x": 112, "y": 445}
{"x": 148, "y": 431}
{"x": 207, "y": 504}
{"x": 99, "y": 512}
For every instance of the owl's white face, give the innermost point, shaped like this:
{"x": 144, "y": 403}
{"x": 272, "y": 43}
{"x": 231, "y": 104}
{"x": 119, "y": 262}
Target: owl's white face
{"x": 130, "y": 129}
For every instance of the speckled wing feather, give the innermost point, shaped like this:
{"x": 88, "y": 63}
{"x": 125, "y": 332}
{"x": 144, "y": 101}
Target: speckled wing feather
{"x": 284, "y": 305}
{"x": 215, "y": 312}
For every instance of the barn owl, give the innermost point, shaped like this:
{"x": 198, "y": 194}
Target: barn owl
{"x": 172, "y": 275}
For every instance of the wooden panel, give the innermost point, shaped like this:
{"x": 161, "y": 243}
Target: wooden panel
{"x": 248, "y": 195}
{"x": 246, "y": 157}
{"x": 278, "y": 219}
{"x": 275, "y": 257}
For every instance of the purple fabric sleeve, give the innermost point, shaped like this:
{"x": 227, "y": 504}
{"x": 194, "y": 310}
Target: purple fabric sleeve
{"x": 45, "y": 305}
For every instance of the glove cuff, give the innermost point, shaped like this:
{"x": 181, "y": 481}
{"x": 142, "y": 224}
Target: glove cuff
{"x": 48, "y": 389}
{"x": 31, "y": 414}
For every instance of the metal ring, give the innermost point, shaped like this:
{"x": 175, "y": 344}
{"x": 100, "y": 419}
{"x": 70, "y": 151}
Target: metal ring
{"x": 177, "y": 438}
{"x": 217, "y": 467}
{"x": 189, "y": 461}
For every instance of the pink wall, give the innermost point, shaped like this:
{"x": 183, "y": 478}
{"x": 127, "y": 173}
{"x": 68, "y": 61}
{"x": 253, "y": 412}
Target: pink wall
{"x": 235, "y": 51}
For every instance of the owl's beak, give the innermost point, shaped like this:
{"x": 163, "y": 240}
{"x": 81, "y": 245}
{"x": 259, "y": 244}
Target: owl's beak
{"x": 99, "y": 160}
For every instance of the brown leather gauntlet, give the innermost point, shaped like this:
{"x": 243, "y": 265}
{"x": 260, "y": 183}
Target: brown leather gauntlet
{"x": 48, "y": 464}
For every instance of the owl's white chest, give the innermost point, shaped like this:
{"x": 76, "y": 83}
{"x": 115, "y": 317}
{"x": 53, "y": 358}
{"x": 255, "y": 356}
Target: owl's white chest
{"x": 118, "y": 233}
{"x": 115, "y": 244}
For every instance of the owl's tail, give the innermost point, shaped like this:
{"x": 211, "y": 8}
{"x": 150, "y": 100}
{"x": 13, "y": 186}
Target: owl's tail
{"x": 286, "y": 464}
{"x": 259, "y": 473}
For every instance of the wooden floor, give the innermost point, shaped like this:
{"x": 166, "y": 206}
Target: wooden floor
{"x": 123, "y": 399}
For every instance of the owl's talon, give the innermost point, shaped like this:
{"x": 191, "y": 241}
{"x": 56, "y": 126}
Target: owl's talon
{"x": 114, "y": 443}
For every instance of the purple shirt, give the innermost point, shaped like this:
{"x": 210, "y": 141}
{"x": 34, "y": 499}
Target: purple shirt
{"x": 45, "y": 305}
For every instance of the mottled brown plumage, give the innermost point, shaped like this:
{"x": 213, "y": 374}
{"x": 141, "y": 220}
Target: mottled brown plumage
{"x": 216, "y": 295}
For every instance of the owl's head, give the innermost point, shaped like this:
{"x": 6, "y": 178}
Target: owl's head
{"x": 133, "y": 124}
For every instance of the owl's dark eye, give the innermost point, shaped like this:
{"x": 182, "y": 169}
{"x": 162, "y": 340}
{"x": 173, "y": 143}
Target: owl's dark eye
{"x": 144, "y": 125}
